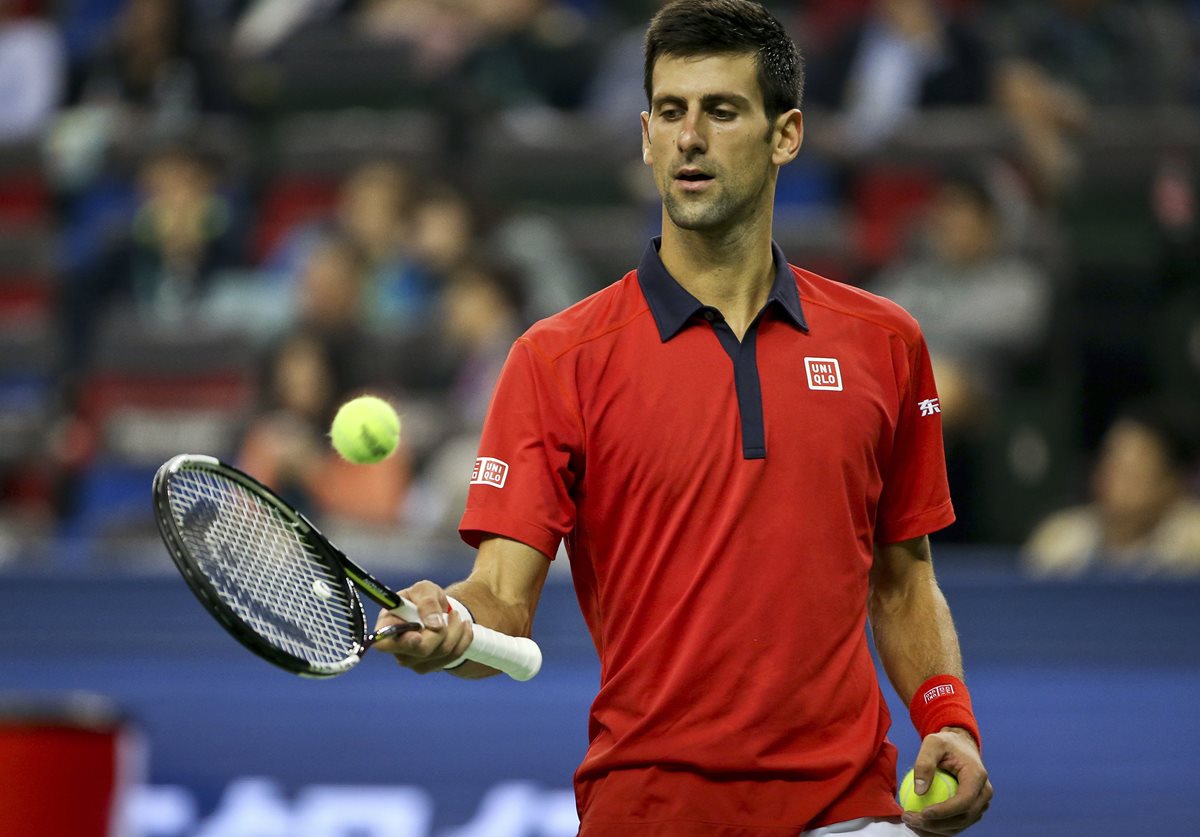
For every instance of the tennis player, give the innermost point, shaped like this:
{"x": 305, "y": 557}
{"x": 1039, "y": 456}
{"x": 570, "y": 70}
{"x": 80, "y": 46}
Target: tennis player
{"x": 744, "y": 460}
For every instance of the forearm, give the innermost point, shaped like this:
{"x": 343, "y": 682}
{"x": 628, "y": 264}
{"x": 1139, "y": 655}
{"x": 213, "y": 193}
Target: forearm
{"x": 916, "y": 641}
{"x": 499, "y": 596}
{"x": 911, "y": 622}
{"x": 509, "y": 617}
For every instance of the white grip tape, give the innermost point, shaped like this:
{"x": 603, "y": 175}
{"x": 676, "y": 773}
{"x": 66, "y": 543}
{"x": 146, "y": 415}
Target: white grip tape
{"x": 465, "y": 615}
{"x": 518, "y": 657}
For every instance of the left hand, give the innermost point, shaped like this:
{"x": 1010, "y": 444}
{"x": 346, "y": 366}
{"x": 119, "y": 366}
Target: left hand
{"x": 952, "y": 749}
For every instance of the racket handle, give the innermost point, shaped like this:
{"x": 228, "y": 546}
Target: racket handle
{"x": 518, "y": 657}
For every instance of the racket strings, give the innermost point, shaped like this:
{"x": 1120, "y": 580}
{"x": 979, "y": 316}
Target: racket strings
{"x": 263, "y": 569}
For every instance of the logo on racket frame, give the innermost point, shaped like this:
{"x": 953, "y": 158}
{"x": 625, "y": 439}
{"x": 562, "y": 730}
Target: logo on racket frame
{"x": 489, "y": 471}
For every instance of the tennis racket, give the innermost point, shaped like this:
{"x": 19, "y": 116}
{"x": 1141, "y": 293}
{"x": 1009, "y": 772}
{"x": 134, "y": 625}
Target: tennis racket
{"x": 277, "y": 584}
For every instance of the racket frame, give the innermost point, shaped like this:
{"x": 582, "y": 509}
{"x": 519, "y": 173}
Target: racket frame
{"x": 519, "y": 657}
{"x": 335, "y": 561}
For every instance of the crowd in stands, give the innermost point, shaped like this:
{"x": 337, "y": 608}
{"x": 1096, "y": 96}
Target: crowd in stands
{"x": 219, "y": 219}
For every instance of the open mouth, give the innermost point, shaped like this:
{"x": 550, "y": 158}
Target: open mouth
{"x": 693, "y": 176}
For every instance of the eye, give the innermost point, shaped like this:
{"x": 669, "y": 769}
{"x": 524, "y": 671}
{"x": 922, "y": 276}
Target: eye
{"x": 724, "y": 115}
{"x": 669, "y": 113}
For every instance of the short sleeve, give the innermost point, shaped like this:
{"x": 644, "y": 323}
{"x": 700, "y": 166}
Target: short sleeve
{"x": 530, "y": 454}
{"x": 916, "y": 497}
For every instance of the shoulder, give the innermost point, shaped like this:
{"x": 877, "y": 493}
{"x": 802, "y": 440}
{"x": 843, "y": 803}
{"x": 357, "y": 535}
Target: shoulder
{"x": 604, "y": 313}
{"x": 1179, "y": 537}
{"x": 836, "y": 300}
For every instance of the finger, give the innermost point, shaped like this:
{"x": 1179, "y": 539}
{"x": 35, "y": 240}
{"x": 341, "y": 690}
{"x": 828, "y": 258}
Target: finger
{"x": 385, "y": 638}
{"x": 429, "y": 646}
{"x": 391, "y": 631}
{"x": 930, "y": 754}
{"x": 431, "y": 602}
{"x": 971, "y": 783}
{"x": 392, "y": 638}
{"x": 951, "y": 824}
{"x": 939, "y": 828}
{"x": 387, "y": 618}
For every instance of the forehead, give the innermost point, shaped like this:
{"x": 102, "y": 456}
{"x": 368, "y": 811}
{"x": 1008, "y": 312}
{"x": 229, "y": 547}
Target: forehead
{"x": 692, "y": 77}
{"x": 1134, "y": 440}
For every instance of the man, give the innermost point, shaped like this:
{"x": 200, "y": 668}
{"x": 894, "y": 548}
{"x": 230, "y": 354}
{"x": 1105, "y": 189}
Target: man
{"x": 744, "y": 460}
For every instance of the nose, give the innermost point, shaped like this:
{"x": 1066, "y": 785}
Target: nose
{"x": 691, "y": 138}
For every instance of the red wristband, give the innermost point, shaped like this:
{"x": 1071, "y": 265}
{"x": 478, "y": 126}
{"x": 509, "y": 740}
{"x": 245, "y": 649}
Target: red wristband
{"x": 943, "y": 701}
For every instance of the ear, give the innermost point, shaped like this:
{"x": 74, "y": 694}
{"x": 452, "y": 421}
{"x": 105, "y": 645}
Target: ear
{"x": 787, "y": 137}
{"x": 647, "y": 156}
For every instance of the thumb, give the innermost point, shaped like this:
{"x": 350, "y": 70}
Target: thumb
{"x": 431, "y": 603}
{"x": 924, "y": 767}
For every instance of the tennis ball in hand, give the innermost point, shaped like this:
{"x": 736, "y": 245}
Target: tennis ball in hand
{"x": 365, "y": 430}
{"x": 943, "y": 786}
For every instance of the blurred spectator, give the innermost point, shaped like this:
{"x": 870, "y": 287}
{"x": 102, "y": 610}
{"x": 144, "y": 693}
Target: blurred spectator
{"x": 1143, "y": 520}
{"x": 983, "y": 309}
{"x": 1048, "y": 115}
{"x": 481, "y": 318}
{"x": 445, "y": 229}
{"x": 183, "y": 233}
{"x": 504, "y": 53}
{"x": 286, "y": 447}
{"x": 535, "y": 53}
{"x": 441, "y": 33}
{"x": 264, "y": 24}
{"x": 616, "y": 94}
{"x": 903, "y": 56}
{"x": 378, "y": 212}
{"x": 1111, "y": 52}
{"x": 1064, "y": 57}
{"x": 151, "y": 63}
{"x": 330, "y": 288}
{"x": 32, "y": 73}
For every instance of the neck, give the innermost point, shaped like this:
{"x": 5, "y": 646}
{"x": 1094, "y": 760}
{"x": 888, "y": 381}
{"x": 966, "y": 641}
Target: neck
{"x": 731, "y": 270}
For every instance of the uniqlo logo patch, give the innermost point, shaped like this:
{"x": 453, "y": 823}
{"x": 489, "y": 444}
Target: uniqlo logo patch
{"x": 939, "y": 691}
{"x": 823, "y": 373}
{"x": 489, "y": 471}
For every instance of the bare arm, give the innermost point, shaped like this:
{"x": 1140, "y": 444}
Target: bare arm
{"x": 910, "y": 620}
{"x": 915, "y": 637}
{"x": 502, "y": 592}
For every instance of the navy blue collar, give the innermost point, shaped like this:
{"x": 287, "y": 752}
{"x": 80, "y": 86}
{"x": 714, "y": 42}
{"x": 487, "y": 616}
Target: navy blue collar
{"x": 672, "y": 306}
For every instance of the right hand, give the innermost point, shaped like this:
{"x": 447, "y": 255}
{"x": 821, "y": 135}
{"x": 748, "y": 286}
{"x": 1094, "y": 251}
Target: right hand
{"x": 444, "y": 639}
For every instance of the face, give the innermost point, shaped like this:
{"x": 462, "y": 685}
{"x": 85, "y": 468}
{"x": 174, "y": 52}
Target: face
{"x": 707, "y": 139}
{"x": 330, "y": 287}
{"x": 443, "y": 232}
{"x": 370, "y": 205}
{"x": 1134, "y": 481}
{"x": 473, "y": 308}
{"x": 962, "y": 231}
{"x": 303, "y": 379}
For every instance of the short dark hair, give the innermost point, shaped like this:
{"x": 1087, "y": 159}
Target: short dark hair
{"x": 972, "y": 185}
{"x": 705, "y": 27}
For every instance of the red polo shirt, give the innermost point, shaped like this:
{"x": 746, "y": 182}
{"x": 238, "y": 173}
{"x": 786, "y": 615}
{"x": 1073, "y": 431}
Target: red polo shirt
{"x": 720, "y": 502}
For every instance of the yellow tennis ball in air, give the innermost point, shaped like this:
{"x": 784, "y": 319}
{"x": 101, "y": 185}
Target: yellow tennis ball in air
{"x": 365, "y": 430}
{"x": 943, "y": 786}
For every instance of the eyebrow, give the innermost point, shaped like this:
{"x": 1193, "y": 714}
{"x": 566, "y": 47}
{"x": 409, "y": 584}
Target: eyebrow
{"x": 707, "y": 101}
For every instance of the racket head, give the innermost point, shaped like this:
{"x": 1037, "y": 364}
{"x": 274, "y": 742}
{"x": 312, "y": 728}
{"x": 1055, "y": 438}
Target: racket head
{"x": 267, "y": 575}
